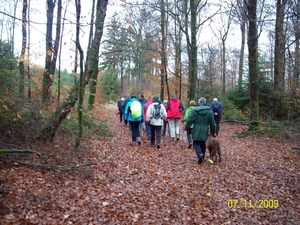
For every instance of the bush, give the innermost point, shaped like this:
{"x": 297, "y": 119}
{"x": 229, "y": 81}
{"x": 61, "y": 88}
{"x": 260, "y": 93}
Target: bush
{"x": 91, "y": 127}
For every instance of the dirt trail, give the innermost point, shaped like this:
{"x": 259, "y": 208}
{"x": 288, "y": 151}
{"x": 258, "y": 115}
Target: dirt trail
{"x": 257, "y": 183}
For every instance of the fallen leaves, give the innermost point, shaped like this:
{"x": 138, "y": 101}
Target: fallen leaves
{"x": 140, "y": 185}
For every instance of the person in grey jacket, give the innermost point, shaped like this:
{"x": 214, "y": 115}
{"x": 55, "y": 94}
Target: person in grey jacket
{"x": 156, "y": 123}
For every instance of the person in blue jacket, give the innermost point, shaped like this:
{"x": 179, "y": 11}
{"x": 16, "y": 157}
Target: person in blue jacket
{"x": 134, "y": 122}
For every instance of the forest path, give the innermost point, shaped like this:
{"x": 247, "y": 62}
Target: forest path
{"x": 256, "y": 183}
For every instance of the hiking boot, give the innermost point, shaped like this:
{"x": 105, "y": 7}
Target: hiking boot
{"x": 190, "y": 145}
{"x": 158, "y": 147}
{"x": 139, "y": 142}
{"x": 201, "y": 159}
{"x": 132, "y": 143}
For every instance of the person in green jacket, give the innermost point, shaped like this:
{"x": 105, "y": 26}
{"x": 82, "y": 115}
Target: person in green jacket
{"x": 201, "y": 117}
{"x": 188, "y": 112}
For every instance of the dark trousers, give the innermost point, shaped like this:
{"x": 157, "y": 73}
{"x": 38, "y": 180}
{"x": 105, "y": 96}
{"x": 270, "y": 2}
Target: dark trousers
{"x": 189, "y": 135}
{"x": 155, "y": 134}
{"x": 148, "y": 129}
{"x": 121, "y": 116}
{"x": 135, "y": 130}
{"x": 217, "y": 121}
{"x": 200, "y": 147}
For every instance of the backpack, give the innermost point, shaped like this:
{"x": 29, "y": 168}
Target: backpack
{"x": 156, "y": 111}
{"x": 120, "y": 103}
{"x": 136, "y": 109}
{"x": 215, "y": 107}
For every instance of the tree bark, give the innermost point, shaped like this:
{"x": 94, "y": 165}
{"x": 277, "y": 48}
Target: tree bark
{"x": 163, "y": 66}
{"x": 243, "y": 19}
{"x": 47, "y": 79}
{"x": 93, "y": 53}
{"x": 279, "y": 66}
{"x": 23, "y": 50}
{"x": 253, "y": 67}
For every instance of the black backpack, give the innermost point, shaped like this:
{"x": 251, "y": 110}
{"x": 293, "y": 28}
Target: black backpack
{"x": 156, "y": 111}
{"x": 216, "y": 107}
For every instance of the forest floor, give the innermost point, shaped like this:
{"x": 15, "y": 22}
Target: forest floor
{"x": 110, "y": 182}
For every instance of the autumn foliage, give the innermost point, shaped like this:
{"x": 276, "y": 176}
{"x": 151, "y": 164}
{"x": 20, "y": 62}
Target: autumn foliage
{"x": 110, "y": 182}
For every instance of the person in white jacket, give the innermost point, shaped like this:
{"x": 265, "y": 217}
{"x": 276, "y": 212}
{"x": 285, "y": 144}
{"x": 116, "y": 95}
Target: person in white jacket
{"x": 155, "y": 118}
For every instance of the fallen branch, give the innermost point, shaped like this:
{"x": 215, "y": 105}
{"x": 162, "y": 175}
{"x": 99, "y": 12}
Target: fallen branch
{"x": 2, "y": 151}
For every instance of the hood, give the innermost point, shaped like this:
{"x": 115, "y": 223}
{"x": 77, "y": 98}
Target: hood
{"x": 202, "y": 109}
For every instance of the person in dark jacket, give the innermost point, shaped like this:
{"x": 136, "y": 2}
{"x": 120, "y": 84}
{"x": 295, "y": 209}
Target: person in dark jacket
{"x": 121, "y": 108}
{"x": 124, "y": 103}
{"x": 174, "y": 109}
{"x": 217, "y": 108}
{"x": 202, "y": 117}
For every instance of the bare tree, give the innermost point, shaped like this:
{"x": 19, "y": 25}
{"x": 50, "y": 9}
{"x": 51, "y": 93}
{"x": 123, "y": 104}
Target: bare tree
{"x": 23, "y": 51}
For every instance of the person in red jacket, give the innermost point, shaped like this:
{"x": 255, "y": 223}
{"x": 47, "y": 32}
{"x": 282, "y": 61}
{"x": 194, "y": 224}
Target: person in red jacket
{"x": 174, "y": 109}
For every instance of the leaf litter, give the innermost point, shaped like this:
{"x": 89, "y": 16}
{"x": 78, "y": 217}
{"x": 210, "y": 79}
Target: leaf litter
{"x": 256, "y": 183}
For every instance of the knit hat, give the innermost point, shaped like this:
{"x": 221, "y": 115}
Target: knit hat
{"x": 215, "y": 99}
{"x": 133, "y": 96}
{"x": 173, "y": 96}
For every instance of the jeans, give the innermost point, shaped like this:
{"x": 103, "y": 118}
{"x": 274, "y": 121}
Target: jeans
{"x": 148, "y": 129}
{"x": 164, "y": 129}
{"x": 200, "y": 147}
{"x": 189, "y": 135}
{"x": 135, "y": 130}
{"x": 155, "y": 134}
{"x": 217, "y": 121}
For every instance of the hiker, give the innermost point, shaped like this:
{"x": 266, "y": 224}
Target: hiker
{"x": 121, "y": 108}
{"x": 217, "y": 108}
{"x": 124, "y": 103}
{"x": 166, "y": 124}
{"x": 142, "y": 100}
{"x": 188, "y": 111}
{"x": 174, "y": 109}
{"x": 156, "y": 113}
{"x": 147, "y": 124}
{"x": 134, "y": 114}
{"x": 201, "y": 117}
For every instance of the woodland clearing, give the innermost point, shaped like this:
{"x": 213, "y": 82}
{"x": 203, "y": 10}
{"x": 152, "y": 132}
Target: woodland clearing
{"x": 110, "y": 182}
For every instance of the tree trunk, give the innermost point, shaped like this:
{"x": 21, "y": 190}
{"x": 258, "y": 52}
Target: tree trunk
{"x": 23, "y": 50}
{"x": 279, "y": 66}
{"x": 28, "y": 55}
{"x": 193, "y": 52}
{"x": 243, "y": 40}
{"x": 80, "y": 100}
{"x": 253, "y": 67}
{"x": 47, "y": 78}
{"x": 78, "y": 13}
{"x": 93, "y": 54}
{"x": 163, "y": 66}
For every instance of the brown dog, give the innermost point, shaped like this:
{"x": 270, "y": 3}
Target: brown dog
{"x": 214, "y": 148}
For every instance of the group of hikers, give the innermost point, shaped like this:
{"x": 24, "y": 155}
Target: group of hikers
{"x": 155, "y": 116}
